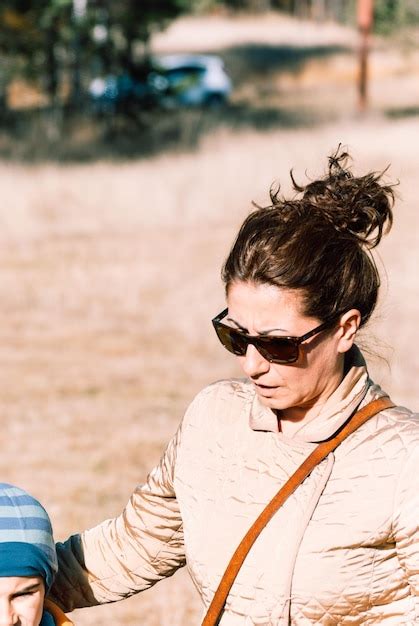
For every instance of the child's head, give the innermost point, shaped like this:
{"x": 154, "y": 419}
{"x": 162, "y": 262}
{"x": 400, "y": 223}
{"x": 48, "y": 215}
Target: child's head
{"x": 28, "y": 561}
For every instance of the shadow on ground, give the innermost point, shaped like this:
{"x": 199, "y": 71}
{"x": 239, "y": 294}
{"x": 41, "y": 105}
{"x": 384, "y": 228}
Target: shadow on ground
{"x": 68, "y": 136}
{"x": 82, "y": 139}
{"x": 253, "y": 61}
{"x": 400, "y": 113}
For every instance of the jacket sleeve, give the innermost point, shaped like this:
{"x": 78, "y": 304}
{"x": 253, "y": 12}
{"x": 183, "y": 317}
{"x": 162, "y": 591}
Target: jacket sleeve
{"x": 406, "y": 528}
{"x": 128, "y": 554}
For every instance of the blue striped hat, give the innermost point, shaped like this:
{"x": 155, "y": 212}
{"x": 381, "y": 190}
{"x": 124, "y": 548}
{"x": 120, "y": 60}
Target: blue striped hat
{"x": 27, "y": 545}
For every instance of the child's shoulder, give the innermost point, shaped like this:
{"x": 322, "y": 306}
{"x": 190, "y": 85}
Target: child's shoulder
{"x": 58, "y": 617}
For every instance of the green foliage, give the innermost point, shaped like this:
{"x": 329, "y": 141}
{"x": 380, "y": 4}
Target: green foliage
{"x": 390, "y": 15}
{"x": 44, "y": 39}
{"x": 386, "y": 14}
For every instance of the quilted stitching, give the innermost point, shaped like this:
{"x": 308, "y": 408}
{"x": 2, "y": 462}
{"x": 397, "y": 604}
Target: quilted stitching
{"x": 347, "y": 563}
{"x": 341, "y": 551}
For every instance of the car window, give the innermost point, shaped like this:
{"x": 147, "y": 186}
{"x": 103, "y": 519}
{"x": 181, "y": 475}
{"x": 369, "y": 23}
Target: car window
{"x": 184, "y": 77}
{"x": 184, "y": 72}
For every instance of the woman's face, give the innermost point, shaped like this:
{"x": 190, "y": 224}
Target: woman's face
{"x": 300, "y": 388}
{"x": 21, "y": 600}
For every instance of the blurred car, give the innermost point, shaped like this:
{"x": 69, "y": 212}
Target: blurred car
{"x": 173, "y": 81}
{"x": 191, "y": 80}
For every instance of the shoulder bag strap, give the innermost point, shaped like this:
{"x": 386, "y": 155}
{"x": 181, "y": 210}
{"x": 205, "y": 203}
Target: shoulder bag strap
{"x": 319, "y": 453}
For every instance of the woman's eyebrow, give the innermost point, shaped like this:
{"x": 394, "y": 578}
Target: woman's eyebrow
{"x": 262, "y": 333}
{"x": 230, "y": 319}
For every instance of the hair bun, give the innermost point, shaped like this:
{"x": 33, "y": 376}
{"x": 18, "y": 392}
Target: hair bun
{"x": 359, "y": 207}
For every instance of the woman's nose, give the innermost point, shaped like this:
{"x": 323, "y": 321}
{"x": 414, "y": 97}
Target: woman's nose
{"x": 253, "y": 363}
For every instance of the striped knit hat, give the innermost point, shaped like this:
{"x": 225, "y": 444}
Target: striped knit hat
{"x": 26, "y": 542}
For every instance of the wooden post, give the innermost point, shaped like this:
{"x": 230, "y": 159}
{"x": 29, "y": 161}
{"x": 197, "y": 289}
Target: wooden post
{"x": 365, "y": 15}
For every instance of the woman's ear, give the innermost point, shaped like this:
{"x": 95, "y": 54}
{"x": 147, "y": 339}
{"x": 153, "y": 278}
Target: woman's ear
{"x": 349, "y": 324}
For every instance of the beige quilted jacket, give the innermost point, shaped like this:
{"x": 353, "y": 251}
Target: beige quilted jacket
{"x": 343, "y": 550}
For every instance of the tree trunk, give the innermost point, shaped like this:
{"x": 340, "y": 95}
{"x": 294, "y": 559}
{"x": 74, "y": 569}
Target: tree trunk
{"x": 301, "y": 8}
{"x": 365, "y": 13}
{"x": 259, "y": 5}
{"x": 51, "y": 61}
{"x": 318, "y": 10}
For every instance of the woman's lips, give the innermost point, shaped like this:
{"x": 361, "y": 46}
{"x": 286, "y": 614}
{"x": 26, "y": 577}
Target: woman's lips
{"x": 265, "y": 389}
{"x": 265, "y": 386}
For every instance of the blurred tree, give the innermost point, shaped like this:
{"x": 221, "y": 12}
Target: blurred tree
{"x": 316, "y": 9}
{"x": 130, "y": 21}
{"x": 45, "y": 39}
{"x": 30, "y": 33}
{"x": 388, "y": 13}
{"x": 391, "y": 14}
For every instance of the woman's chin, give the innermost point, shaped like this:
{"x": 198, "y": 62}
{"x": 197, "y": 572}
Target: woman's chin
{"x": 271, "y": 401}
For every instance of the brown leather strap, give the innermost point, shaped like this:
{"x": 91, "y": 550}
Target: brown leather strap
{"x": 319, "y": 453}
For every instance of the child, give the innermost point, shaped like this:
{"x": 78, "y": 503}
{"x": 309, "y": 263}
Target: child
{"x": 28, "y": 562}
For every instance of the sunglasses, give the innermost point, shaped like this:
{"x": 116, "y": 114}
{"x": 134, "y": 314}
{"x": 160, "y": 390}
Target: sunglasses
{"x": 273, "y": 349}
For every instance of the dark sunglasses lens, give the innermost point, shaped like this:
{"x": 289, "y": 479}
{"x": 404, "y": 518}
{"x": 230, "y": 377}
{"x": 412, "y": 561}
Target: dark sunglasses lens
{"x": 274, "y": 349}
{"x": 278, "y": 350}
{"x": 231, "y": 340}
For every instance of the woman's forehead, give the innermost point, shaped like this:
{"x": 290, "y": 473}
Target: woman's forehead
{"x": 265, "y": 307}
{"x": 264, "y": 297}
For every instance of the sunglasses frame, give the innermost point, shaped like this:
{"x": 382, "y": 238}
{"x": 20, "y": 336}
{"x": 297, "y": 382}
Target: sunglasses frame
{"x": 262, "y": 342}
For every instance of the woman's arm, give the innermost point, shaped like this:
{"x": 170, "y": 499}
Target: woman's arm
{"x": 406, "y": 528}
{"x": 128, "y": 554}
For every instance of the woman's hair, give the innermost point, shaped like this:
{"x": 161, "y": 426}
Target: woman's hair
{"x": 319, "y": 242}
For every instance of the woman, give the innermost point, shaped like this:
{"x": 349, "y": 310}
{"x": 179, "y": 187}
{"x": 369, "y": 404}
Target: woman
{"x": 300, "y": 282}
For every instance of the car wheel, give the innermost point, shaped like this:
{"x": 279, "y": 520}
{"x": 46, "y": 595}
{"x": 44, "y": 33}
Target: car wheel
{"x": 215, "y": 100}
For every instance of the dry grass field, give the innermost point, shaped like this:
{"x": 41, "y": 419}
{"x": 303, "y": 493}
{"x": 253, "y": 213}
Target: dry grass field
{"x": 109, "y": 277}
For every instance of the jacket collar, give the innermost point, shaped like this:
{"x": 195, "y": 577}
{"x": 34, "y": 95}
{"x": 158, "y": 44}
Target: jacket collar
{"x": 334, "y": 413}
